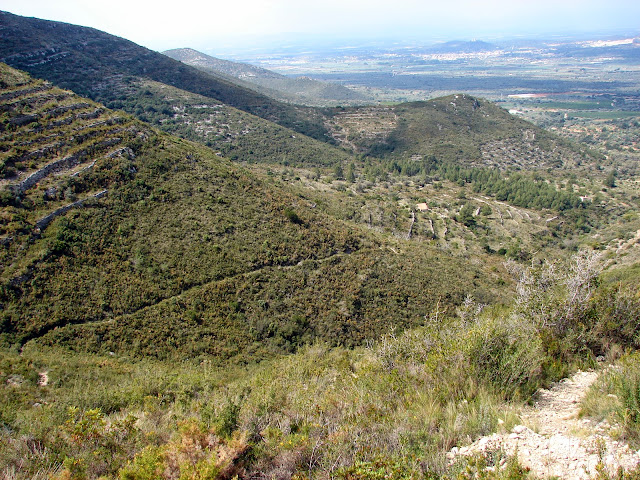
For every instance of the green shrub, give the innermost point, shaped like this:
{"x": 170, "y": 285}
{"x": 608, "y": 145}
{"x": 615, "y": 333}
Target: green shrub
{"x": 227, "y": 420}
{"x": 506, "y": 353}
{"x": 147, "y": 465}
{"x": 292, "y": 216}
{"x": 379, "y": 469}
{"x": 614, "y": 319}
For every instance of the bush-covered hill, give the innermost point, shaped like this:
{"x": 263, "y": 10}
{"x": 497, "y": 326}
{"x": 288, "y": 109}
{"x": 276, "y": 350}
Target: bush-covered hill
{"x": 456, "y": 128}
{"x": 301, "y": 90}
{"x": 102, "y": 67}
{"x": 182, "y": 253}
{"x": 390, "y": 410}
{"x": 234, "y": 133}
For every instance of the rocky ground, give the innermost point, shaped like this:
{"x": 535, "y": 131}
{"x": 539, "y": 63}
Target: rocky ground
{"x": 553, "y": 441}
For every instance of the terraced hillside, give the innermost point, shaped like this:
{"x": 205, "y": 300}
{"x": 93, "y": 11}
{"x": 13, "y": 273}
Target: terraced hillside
{"x": 185, "y": 254}
{"x": 59, "y": 152}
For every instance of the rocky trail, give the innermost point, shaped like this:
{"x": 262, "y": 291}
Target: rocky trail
{"x": 553, "y": 442}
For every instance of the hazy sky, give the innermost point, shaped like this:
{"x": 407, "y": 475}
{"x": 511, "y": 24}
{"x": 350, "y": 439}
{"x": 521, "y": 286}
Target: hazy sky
{"x": 163, "y": 24}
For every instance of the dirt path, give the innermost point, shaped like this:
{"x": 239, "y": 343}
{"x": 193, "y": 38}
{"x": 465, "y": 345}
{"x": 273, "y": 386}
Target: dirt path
{"x": 554, "y": 442}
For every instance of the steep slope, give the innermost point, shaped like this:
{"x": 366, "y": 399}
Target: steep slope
{"x": 301, "y": 90}
{"x": 104, "y": 67}
{"x": 234, "y": 133}
{"x": 185, "y": 254}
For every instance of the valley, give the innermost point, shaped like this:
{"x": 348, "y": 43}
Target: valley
{"x": 206, "y": 278}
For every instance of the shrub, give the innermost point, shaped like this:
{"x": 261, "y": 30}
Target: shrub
{"x": 147, "y": 465}
{"x": 614, "y": 319}
{"x": 292, "y": 216}
{"x": 506, "y": 353}
{"x": 379, "y": 469}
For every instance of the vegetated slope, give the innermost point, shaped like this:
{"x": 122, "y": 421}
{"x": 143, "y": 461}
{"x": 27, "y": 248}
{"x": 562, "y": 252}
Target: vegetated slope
{"x": 458, "y": 128}
{"x": 104, "y": 67}
{"x": 301, "y": 90}
{"x": 234, "y": 133}
{"x": 391, "y": 409}
{"x": 114, "y": 71}
{"x": 187, "y": 254}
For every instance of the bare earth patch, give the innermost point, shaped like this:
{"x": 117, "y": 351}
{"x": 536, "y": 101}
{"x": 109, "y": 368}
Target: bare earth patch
{"x": 554, "y": 442}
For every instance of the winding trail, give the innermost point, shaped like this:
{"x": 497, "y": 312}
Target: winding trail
{"x": 554, "y": 442}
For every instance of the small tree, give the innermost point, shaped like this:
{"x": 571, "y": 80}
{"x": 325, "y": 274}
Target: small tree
{"x": 351, "y": 176}
{"x": 610, "y": 181}
{"x": 466, "y": 215}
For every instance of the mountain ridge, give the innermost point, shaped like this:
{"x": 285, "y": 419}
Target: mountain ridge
{"x": 101, "y": 66}
{"x": 301, "y": 90}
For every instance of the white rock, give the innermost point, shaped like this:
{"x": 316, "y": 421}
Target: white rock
{"x": 519, "y": 429}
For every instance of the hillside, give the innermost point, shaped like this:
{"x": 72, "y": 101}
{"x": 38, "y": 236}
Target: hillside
{"x": 460, "y": 128}
{"x": 105, "y": 68}
{"x": 167, "y": 312}
{"x": 229, "y": 131}
{"x": 158, "y": 247}
{"x": 125, "y": 76}
{"x": 301, "y": 90}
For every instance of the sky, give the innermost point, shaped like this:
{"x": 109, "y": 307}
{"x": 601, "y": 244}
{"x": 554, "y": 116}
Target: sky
{"x": 163, "y": 24}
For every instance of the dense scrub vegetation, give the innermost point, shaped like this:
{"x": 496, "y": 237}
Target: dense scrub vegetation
{"x": 392, "y": 408}
{"x": 515, "y": 188}
{"x": 235, "y": 134}
{"x": 190, "y": 255}
{"x": 457, "y": 128}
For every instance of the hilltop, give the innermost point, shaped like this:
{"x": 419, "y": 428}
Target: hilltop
{"x": 461, "y": 46}
{"x": 461, "y": 128}
{"x": 300, "y": 90}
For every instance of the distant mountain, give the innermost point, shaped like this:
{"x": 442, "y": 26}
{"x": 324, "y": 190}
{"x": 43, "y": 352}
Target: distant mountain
{"x": 457, "y": 46}
{"x": 126, "y": 76}
{"x": 301, "y": 90}
{"x": 107, "y": 68}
